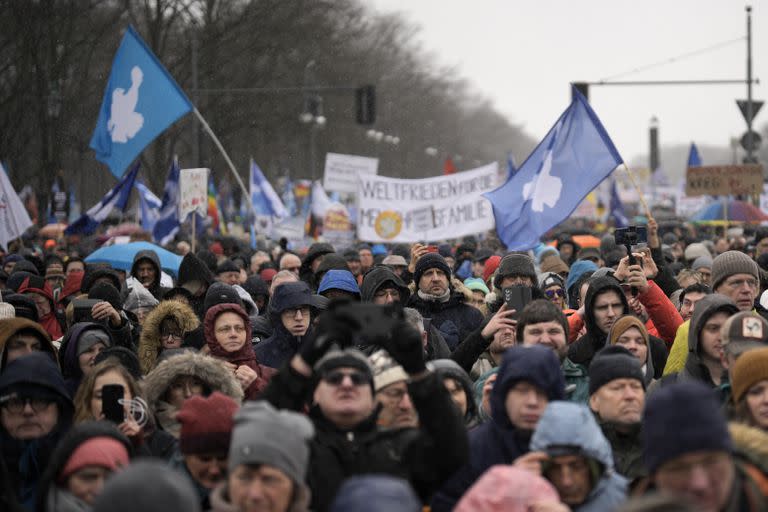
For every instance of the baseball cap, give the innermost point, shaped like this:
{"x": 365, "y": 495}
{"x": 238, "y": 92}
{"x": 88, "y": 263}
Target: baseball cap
{"x": 744, "y": 331}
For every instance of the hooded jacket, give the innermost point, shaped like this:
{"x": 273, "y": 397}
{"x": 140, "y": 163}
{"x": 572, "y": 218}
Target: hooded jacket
{"x": 26, "y": 460}
{"x": 94, "y": 271}
{"x": 315, "y": 251}
{"x": 243, "y": 357}
{"x": 51, "y": 497}
{"x": 49, "y": 321}
{"x": 70, "y": 364}
{"x": 378, "y": 276}
{"x": 454, "y": 318}
{"x": 447, "y": 368}
{"x": 150, "y": 344}
{"x": 188, "y": 363}
{"x": 584, "y": 349}
{"x": 11, "y": 326}
{"x": 375, "y": 493}
{"x": 574, "y": 426}
{"x": 72, "y": 285}
{"x": 192, "y": 268}
{"x": 694, "y": 368}
{"x": 332, "y": 261}
{"x": 149, "y": 255}
{"x": 278, "y": 349}
{"x": 498, "y": 441}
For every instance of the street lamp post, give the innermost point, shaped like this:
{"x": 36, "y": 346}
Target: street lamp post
{"x": 653, "y": 153}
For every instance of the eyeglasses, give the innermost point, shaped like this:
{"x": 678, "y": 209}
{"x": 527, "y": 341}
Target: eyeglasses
{"x": 226, "y": 328}
{"x": 554, "y": 293}
{"x": 387, "y": 292}
{"x": 176, "y": 335}
{"x": 335, "y": 378}
{"x": 15, "y": 404}
{"x": 738, "y": 283}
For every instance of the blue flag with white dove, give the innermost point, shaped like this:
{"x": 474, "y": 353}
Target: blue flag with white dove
{"x": 117, "y": 197}
{"x": 572, "y": 159}
{"x": 168, "y": 223}
{"x": 140, "y": 102}
{"x": 263, "y": 197}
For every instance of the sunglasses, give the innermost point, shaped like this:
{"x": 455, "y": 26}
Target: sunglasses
{"x": 554, "y": 293}
{"x": 335, "y": 378}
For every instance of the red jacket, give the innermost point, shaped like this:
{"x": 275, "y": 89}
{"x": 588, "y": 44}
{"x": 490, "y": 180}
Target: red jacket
{"x": 49, "y": 321}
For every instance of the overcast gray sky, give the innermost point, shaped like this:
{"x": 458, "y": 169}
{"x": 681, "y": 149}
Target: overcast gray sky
{"x": 523, "y": 53}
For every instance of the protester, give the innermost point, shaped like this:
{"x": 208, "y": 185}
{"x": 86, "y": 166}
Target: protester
{"x": 180, "y": 376}
{"x": 21, "y": 336}
{"x": 750, "y": 388}
{"x": 375, "y": 493}
{"x": 689, "y": 297}
{"x": 78, "y": 352}
{"x": 147, "y": 270}
{"x": 164, "y": 328}
{"x": 390, "y": 381}
{"x": 629, "y": 332}
{"x": 139, "y": 302}
{"x": 459, "y": 386}
{"x": 339, "y": 284}
{"x": 382, "y": 286}
{"x": 511, "y": 489}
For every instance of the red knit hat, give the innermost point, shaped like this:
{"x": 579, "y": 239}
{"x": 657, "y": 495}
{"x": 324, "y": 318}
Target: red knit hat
{"x": 206, "y": 424}
{"x": 491, "y": 264}
{"x": 105, "y": 452}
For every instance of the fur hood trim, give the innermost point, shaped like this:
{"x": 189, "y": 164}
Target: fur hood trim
{"x": 150, "y": 344}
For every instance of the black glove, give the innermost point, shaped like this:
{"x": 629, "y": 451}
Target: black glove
{"x": 332, "y": 329}
{"x": 406, "y": 349}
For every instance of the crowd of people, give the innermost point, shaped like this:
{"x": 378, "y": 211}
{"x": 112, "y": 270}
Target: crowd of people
{"x": 380, "y": 378}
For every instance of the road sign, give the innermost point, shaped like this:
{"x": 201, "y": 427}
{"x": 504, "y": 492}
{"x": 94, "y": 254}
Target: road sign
{"x": 751, "y": 145}
{"x": 756, "y": 105}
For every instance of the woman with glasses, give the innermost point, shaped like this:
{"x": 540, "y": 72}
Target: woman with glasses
{"x": 227, "y": 330}
{"x": 181, "y": 376}
{"x": 553, "y": 287}
{"x": 35, "y": 412}
{"x": 164, "y": 328}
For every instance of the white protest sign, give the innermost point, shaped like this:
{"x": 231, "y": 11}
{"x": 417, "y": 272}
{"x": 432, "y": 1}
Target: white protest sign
{"x": 341, "y": 171}
{"x": 193, "y": 192}
{"x": 399, "y": 210}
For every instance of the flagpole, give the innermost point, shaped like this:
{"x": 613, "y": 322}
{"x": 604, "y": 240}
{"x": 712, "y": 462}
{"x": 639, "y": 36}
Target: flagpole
{"x": 216, "y": 141}
{"x": 639, "y": 192}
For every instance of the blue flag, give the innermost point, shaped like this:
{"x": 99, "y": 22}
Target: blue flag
{"x": 140, "y": 102}
{"x": 574, "y": 157}
{"x": 168, "y": 223}
{"x": 263, "y": 197}
{"x": 149, "y": 205}
{"x": 117, "y": 197}
{"x": 694, "y": 159}
{"x": 616, "y": 208}
{"x": 511, "y": 166}
{"x": 289, "y": 199}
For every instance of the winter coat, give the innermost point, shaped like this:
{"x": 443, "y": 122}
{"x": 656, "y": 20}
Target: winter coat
{"x": 243, "y": 357}
{"x": 627, "y": 450}
{"x": 261, "y": 328}
{"x": 70, "y": 363}
{"x": 155, "y": 289}
{"x": 26, "y": 460}
{"x": 694, "y": 368}
{"x": 447, "y": 368}
{"x": 212, "y": 372}
{"x": 569, "y": 424}
{"x": 663, "y": 317}
{"x": 11, "y": 326}
{"x": 498, "y": 441}
{"x": 584, "y": 349}
{"x": 281, "y": 346}
{"x": 50, "y": 322}
{"x": 576, "y": 381}
{"x": 751, "y": 449}
{"x": 454, "y": 318}
{"x": 424, "y": 456}
{"x": 150, "y": 344}
{"x": 53, "y": 498}
{"x": 192, "y": 268}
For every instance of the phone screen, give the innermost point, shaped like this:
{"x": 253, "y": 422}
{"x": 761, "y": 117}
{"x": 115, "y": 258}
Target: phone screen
{"x": 111, "y": 396}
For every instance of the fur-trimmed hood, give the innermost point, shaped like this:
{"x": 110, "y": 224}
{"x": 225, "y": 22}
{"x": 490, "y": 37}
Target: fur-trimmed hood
{"x": 150, "y": 344}
{"x": 751, "y": 443}
{"x": 206, "y": 368}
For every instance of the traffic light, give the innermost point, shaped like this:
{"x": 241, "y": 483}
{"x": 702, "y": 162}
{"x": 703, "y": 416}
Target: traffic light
{"x": 583, "y": 88}
{"x": 365, "y": 98}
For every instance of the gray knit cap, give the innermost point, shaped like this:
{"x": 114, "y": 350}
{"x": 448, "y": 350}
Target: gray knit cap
{"x": 264, "y": 435}
{"x": 515, "y": 264}
{"x": 730, "y": 263}
{"x": 702, "y": 261}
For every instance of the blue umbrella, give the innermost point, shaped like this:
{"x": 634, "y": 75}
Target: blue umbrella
{"x": 120, "y": 256}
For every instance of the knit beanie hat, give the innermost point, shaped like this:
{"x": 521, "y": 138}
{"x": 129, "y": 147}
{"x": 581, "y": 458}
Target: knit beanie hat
{"x": 750, "y": 368}
{"x": 126, "y": 357}
{"x": 25, "y": 266}
{"x": 611, "y": 363}
{"x": 476, "y": 284}
{"x": 105, "y": 452}
{"x": 385, "y": 370}
{"x": 428, "y": 261}
{"x": 6, "y": 310}
{"x": 696, "y": 250}
{"x": 349, "y": 357}
{"x": 515, "y": 265}
{"x": 106, "y": 292}
{"x": 702, "y": 262}
{"x": 730, "y": 263}
{"x": 621, "y": 326}
{"x": 227, "y": 266}
{"x": 491, "y": 264}
{"x": 554, "y": 264}
{"x": 263, "y": 435}
{"x": 221, "y": 293}
{"x": 682, "y": 418}
{"x": 206, "y": 424}
{"x": 91, "y": 337}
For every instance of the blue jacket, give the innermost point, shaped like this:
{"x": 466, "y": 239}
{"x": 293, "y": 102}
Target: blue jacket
{"x": 570, "y": 424}
{"x": 498, "y": 441}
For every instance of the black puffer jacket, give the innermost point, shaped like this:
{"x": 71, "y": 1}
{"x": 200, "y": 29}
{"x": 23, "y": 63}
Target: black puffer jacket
{"x": 454, "y": 319}
{"x": 425, "y": 457}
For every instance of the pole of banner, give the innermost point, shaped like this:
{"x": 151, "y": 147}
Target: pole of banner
{"x": 639, "y": 192}
{"x": 194, "y": 229}
{"x": 216, "y": 141}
